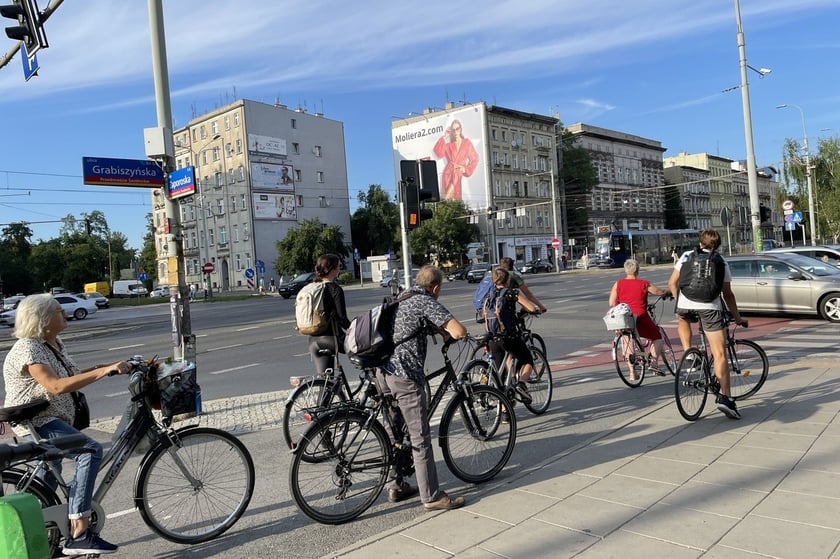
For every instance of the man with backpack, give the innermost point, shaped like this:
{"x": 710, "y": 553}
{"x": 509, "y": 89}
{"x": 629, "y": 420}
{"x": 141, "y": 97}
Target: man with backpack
{"x": 402, "y": 377}
{"x": 701, "y": 277}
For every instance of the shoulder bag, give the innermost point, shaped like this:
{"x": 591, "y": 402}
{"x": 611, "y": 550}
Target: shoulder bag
{"x": 81, "y": 411}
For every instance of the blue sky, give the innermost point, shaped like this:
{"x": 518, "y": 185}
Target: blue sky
{"x": 653, "y": 68}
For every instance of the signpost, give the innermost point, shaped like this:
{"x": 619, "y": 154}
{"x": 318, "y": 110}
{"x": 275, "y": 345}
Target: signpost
{"x": 208, "y": 268}
{"x": 122, "y": 172}
{"x": 726, "y": 219}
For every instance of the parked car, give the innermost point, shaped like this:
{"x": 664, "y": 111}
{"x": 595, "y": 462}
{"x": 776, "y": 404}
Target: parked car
{"x": 389, "y": 276}
{"x": 101, "y": 301}
{"x": 290, "y": 288}
{"x": 826, "y": 253}
{"x": 537, "y": 266}
{"x": 476, "y": 272}
{"x": 11, "y": 302}
{"x": 73, "y": 307}
{"x": 780, "y": 282}
{"x": 160, "y": 291}
{"x": 458, "y": 274}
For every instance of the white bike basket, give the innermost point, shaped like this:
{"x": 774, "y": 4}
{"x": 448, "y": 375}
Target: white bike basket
{"x": 620, "y": 317}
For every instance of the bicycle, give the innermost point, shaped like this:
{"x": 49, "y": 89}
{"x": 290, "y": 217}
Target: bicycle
{"x": 523, "y": 325}
{"x": 695, "y": 372}
{"x": 632, "y": 357}
{"x": 191, "y": 486}
{"x": 504, "y": 375}
{"x": 350, "y": 453}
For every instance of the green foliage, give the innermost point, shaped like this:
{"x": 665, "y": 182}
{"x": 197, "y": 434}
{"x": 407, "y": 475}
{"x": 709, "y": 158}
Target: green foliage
{"x": 344, "y": 278}
{"x": 674, "y": 212}
{"x": 15, "y": 250}
{"x": 148, "y": 255}
{"x": 302, "y": 246}
{"x": 375, "y": 225}
{"x": 446, "y": 235}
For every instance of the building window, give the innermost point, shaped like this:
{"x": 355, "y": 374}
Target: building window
{"x": 219, "y": 178}
{"x": 296, "y": 148}
{"x": 195, "y": 134}
{"x": 233, "y": 204}
{"x": 228, "y": 150}
{"x": 238, "y": 146}
{"x": 238, "y": 260}
{"x": 222, "y": 235}
{"x": 319, "y": 176}
{"x": 227, "y": 122}
{"x": 194, "y": 240}
{"x": 242, "y": 203}
{"x": 236, "y": 234}
{"x": 204, "y": 157}
{"x": 236, "y": 120}
{"x": 203, "y": 132}
{"x": 220, "y": 205}
{"x": 212, "y": 237}
{"x": 294, "y": 123}
{"x": 216, "y": 153}
{"x": 316, "y": 151}
{"x": 242, "y": 172}
{"x": 298, "y": 175}
{"x": 214, "y": 126}
{"x": 493, "y": 133}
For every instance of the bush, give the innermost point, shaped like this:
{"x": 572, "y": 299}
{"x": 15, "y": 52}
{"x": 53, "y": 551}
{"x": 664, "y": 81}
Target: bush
{"x": 344, "y": 278}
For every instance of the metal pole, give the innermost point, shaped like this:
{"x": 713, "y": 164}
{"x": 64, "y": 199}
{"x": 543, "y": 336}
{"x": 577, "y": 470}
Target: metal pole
{"x": 752, "y": 174}
{"x": 183, "y": 341}
{"x": 554, "y": 221}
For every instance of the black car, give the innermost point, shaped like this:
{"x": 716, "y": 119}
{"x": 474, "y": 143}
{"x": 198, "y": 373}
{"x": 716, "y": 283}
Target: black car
{"x": 476, "y": 272}
{"x": 458, "y": 274}
{"x": 536, "y": 266}
{"x": 290, "y": 288}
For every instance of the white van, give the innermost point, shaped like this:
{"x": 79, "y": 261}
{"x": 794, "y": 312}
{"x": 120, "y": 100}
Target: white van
{"x": 129, "y": 288}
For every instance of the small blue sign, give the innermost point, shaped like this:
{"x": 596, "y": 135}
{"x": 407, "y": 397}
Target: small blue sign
{"x": 30, "y": 63}
{"x": 790, "y": 226}
{"x": 249, "y": 273}
{"x": 122, "y": 172}
{"x": 260, "y": 266}
{"x": 182, "y": 183}
{"x": 142, "y": 276}
{"x": 796, "y": 217}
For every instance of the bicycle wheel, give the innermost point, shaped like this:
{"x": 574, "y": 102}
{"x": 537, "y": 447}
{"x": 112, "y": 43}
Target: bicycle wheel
{"x": 625, "y": 352}
{"x": 475, "y": 442}
{"x": 297, "y": 417}
{"x": 691, "y": 386}
{"x": 537, "y": 340}
{"x": 668, "y": 356}
{"x": 349, "y": 476}
{"x": 197, "y": 488}
{"x": 748, "y": 368}
{"x": 539, "y": 385}
{"x": 12, "y": 479}
{"x": 480, "y": 371}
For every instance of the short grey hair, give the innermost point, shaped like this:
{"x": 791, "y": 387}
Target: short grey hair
{"x": 33, "y": 314}
{"x": 631, "y": 266}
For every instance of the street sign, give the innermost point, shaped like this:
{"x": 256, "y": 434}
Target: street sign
{"x": 555, "y": 243}
{"x": 208, "y": 268}
{"x": 260, "y": 266}
{"x": 787, "y": 205}
{"x": 30, "y": 63}
{"x": 181, "y": 183}
{"x": 122, "y": 172}
{"x": 788, "y": 212}
{"x": 790, "y": 226}
{"x": 142, "y": 276}
{"x": 249, "y": 273}
{"x": 796, "y": 217}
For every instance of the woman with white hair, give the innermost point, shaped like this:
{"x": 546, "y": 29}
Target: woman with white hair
{"x": 38, "y": 368}
{"x": 634, "y": 291}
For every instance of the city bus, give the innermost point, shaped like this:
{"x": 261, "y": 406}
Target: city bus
{"x": 655, "y": 246}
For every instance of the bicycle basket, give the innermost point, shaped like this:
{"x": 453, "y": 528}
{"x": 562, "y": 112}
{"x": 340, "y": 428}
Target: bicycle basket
{"x": 620, "y": 317}
{"x": 178, "y": 388}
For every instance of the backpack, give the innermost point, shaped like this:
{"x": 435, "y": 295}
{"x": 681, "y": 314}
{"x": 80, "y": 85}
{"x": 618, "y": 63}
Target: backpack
{"x": 701, "y": 276}
{"x": 370, "y": 337}
{"x": 484, "y": 288}
{"x": 310, "y": 315}
{"x": 497, "y": 312}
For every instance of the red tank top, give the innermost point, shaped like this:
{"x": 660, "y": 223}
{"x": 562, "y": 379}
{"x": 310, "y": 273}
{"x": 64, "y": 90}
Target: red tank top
{"x": 634, "y": 292}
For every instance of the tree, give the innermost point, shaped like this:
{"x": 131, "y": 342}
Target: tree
{"x": 148, "y": 255}
{"x": 446, "y": 235}
{"x": 15, "y": 250}
{"x": 674, "y": 212}
{"x": 302, "y": 246}
{"x": 826, "y": 175}
{"x": 375, "y": 225}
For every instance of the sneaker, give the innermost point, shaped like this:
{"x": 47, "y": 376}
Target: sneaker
{"x": 522, "y": 392}
{"x": 402, "y": 493}
{"x": 88, "y": 543}
{"x": 727, "y": 405}
{"x": 445, "y": 503}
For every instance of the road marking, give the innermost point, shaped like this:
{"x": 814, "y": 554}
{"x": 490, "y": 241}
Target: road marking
{"x": 586, "y": 379}
{"x": 246, "y": 328}
{"x": 120, "y": 513}
{"x": 201, "y": 335}
{"x": 300, "y": 354}
{"x": 125, "y": 347}
{"x": 282, "y": 337}
{"x": 117, "y": 394}
{"x": 234, "y": 369}
{"x": 223, "y": 347}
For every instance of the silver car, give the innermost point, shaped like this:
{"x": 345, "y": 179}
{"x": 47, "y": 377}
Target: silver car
{"x": 781, "y": 282}
{"x": 827, "y": 253}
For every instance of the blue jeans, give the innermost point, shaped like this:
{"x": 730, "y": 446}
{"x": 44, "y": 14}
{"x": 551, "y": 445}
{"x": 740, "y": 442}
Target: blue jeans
{"x": 87, "y": 466}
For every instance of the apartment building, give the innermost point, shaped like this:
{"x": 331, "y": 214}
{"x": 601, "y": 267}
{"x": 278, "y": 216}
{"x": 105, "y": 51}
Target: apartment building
{"x": 261, "y": 170}
{"x": 693, "y": 186}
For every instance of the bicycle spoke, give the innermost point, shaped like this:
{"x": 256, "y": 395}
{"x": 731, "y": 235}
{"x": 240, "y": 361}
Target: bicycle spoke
{"x": 691, "y": 384}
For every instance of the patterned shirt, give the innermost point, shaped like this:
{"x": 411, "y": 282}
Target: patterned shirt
{"x": 21, "y": 388}
{"x": 409, "y": 357}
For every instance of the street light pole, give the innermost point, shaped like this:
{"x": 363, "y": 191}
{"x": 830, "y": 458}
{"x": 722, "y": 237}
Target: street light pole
{"x": 811, "y": 210}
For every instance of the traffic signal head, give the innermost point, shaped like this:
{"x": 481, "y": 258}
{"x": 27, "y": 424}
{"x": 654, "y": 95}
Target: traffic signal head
{"x": 419, "y": 184}
{"x": 409, "y": 195}
{"x": 764, "y": 213}
{"x": 29, "y": 30}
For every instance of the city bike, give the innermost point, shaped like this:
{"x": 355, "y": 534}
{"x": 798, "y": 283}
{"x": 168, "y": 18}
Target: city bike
{"x": 523, "y": 326}
{"x": 342, "y": 462}
{"x": 748, "y": 368}
{"x": 632, "y": 356}
{"x": 191, "y": 486}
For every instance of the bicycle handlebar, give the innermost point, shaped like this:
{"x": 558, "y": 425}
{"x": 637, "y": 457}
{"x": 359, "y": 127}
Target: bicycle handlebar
{"x": 52, "y": 449}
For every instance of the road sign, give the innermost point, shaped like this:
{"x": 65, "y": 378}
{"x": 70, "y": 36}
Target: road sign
{"x": 555, "y": 243}
{"x": 787, "y": 205}
{"x": 122, "y": 172}
{"x": 788, "y": 212}
{"x": 208, "y": 268}
{"x": 30, "y": 63}
{"x": 790, "y": 226}
{"x": 796, "y": 217}
{"x": 142, "y": 276}
{"x": 249, "y": 273}
{"x": 181, "y": 183}
{"x": 260, "y": 265}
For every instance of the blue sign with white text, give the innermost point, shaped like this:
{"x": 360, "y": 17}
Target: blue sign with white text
{"x": 181, "y": 183}
{"x": 122, "y": 172}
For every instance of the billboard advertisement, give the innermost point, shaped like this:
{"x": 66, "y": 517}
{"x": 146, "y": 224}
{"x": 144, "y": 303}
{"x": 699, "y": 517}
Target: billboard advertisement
{"x": 457, "y": 141}
{"x": 272, "y": 176}
{"x": 266, "y": 145}
{"x": 275, "y": 206}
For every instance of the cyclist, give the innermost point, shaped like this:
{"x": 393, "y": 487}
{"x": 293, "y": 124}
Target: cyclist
{"x": 634, "y": 292}
{"x": 516, "y": 282}
{"x": 38, "y": 367}
{"x": 403, "y": 378}
{"x": 326, "y": 270}
{"x": 709, "y": 314}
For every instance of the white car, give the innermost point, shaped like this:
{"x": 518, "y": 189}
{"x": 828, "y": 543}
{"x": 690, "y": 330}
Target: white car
{"x": 73, "y": 307}
{"x": 160, "y": 291}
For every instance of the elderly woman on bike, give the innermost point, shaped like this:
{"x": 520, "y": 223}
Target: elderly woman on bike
{"x": 38, "y": 368}
{"x": 634, "y": 292}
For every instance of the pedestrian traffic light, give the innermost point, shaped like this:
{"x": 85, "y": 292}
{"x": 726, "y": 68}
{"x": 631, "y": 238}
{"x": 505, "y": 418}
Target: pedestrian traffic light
{"x": 29, "y": 29}
{"x": 421, "y": 185}
{"x": 764, "y": 213}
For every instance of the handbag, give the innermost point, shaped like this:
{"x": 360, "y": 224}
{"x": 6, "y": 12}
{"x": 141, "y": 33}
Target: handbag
{"x": 81, "y": 410}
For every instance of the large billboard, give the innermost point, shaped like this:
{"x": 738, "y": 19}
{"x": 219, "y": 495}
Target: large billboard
{"x": 272, "y": 176}
{"x": 276, "y": 206}
{"x": 266, "y": 145}
{"x": 457, "y": 141}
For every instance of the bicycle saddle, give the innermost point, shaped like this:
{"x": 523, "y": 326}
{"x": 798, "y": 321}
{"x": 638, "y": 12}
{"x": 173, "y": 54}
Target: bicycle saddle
{"x": 15, "y": 414}
{"x": 484, "y": 338}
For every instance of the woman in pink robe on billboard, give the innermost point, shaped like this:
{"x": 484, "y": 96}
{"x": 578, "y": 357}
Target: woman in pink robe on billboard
{"x": 461, "y": 159}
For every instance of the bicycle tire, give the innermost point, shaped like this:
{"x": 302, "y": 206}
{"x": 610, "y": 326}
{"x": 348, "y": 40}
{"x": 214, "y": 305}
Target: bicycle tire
{"x": 295, "y": 419}
{"x": 45, "y": 495}
{"x": 537, "y": 340}
{"x": 347, "y": 479}
{"x": 669, "y": 358}
{"x": 540, "y": 385}
{"x": 479, "y": 371}
{"x": 691, "y": 384}
{"x": 623, "y": 358}
{"x": 743, "y": 364}
{"x": 475, "y": 443}
{"x": 190, "y": 512}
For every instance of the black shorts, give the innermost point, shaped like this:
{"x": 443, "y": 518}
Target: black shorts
{"x": 710, "y": 319}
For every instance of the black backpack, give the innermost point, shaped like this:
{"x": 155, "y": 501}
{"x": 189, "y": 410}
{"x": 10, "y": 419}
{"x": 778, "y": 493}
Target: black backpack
{"x": 370, "y": 336}
{"x": 701, "y": 276}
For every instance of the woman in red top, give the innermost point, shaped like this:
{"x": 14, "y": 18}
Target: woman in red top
{"x": 634, "y": 292}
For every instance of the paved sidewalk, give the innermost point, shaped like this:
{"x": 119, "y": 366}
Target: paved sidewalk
{"x": 659, "y": 487}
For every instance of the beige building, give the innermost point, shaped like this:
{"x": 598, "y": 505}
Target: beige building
{"x": 693, "y": 186}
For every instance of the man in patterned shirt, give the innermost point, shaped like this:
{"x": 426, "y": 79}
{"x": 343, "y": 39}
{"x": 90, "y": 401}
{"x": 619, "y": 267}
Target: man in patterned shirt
{"x": 402, "y": 377}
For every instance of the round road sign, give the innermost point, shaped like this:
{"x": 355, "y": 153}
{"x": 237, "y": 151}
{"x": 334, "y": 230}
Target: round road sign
{"x": 787, "y": 205}
{"x": 555, "y": 243}
{"x": 208, "y": 268}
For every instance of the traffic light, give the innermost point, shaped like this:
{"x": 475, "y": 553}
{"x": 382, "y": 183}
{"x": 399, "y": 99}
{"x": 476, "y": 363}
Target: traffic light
{"x": 419, "y": 184}
{"x": 87, "y": 227}
{"x": 764, "y": 213}
{"x": 410, "y": 196}
{"x": 29, "y": 30}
